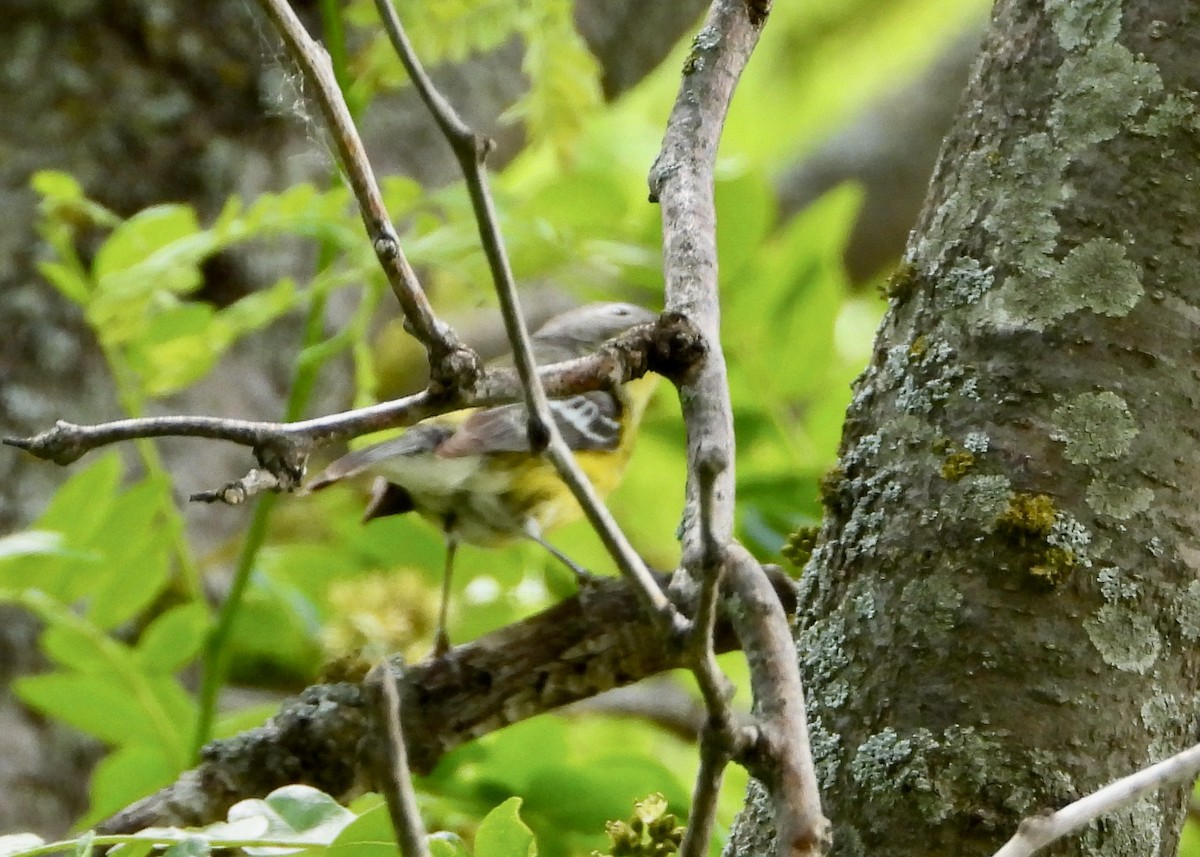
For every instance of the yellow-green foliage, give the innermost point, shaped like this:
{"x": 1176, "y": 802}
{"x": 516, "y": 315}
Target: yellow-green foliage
{"x": 799, "y": 546}
{"x": 650, "y": 832}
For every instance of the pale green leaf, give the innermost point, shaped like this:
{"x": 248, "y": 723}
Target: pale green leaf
{"x": 174, "y": 638}
{"x": 502, "y": 833}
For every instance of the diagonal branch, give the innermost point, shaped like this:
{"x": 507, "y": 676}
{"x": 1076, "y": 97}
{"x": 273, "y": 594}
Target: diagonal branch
{"x": 451, "y": 364}
{"x": 1038, "y": 831}
{"x": 560, "y": 656}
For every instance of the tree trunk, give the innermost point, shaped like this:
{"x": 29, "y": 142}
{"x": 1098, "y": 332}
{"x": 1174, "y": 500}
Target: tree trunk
{"x": 1002, "y": 610}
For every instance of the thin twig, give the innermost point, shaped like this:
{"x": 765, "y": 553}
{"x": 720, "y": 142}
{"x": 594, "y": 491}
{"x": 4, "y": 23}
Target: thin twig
{"x": 471, "y": 149}
{"x": 781, "y": 758}
{"x": 392, "y": 775}
{"x": 714, "y": 686}
{"x": 719, "y": 740}
{"x": 714, "y": 757}
{"x": 451, "y": 364}
{"x": 1038, "y": 831}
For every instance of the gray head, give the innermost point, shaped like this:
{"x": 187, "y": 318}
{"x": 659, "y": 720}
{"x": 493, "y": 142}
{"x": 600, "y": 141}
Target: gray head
{"x": 583, "y": 328}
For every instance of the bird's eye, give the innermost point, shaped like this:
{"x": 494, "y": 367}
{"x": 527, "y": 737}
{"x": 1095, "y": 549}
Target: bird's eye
{"x": 621, "y": 310}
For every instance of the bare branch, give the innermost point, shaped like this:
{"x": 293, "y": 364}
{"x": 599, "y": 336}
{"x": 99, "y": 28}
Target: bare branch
{"x": 392, "y": 776}
{"x": 471, "y": 149}
{"x": 782, "y": 756}
{"x": 451, "y": 364}
{"x": 281, "y": 448}
{"x": 682, "y": 181}
{"x": 1038, "y": 831}
{"x": 558, "y": 657}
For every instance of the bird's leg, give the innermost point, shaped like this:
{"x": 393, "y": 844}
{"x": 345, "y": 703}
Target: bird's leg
{"x": 584, "y": 579}
{"x": 441, "y": 639}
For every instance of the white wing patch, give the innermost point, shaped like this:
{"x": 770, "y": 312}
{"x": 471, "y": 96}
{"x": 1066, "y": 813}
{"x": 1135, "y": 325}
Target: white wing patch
{"x": 584, "y": 423}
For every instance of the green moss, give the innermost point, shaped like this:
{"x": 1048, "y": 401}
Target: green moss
{"x": 1176, "y": 111}
{"x": 1028, "y": 520}
{"x": 1056, "y": 566}
{"x": 930, "y": 607}
{"x": 919, "y": 346}
{"x": 1187, "y": 611}
{"x": 901, "y": 284}
{"x": 799, "y": 546}
{"x": 957, "y": 465}
{"x": 1028, "y": 525}
{"x": 831, "y": 489}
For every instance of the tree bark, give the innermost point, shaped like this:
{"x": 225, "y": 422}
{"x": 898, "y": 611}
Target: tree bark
{"x": 1001, "y": 612}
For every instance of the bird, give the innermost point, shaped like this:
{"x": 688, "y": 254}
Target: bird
{"x": 472, "y": 472}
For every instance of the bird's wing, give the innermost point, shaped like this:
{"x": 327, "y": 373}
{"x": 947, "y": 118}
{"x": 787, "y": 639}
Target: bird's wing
{"x": 421, "y": 438}
{"x": 589, "y": 421}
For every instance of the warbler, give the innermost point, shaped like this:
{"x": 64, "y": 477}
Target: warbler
{"x": 472, "y": 472}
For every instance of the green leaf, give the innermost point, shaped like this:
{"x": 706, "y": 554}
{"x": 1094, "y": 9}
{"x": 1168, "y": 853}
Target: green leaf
{"x": 194, "y": 846}
{"x": 746, "y": 206}
{"x": 124, "y": 705}
{"x": 137, "y": 848}
{"x": 447, "y": 844}
{"x": 369, "y": 835}
{"x": 76, "y": 512}
{"x": 136, "y": 548}
{"x": 93, "y": 704}
{"x": 257, "y": 310}
{"x": 176, "y": 346}
{"x": 150, "y": 231}
{"x": 73, "y": 645}
{"x": 55, "y": 185}
{"x": 174, "y": 638}
{"x": 126, "y": 775}
{"x": 79, "y": 506}
{"x": 275, "y": 629}
{"x": 563, "y": 75}
{"x": 67, "y": 279}
{"x": 298, "y": 811}
{"x": 502, "y": 833}
{"x": 583, "y": 796}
